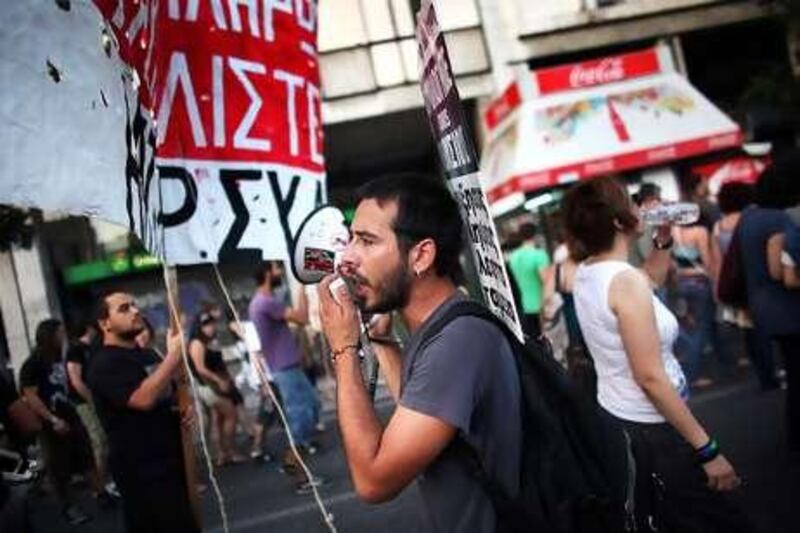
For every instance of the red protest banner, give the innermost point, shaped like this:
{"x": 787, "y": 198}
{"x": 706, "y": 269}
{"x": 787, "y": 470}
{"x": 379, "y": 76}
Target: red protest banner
{"x": 223, "y": 131}
{"x": 225, "y": 81}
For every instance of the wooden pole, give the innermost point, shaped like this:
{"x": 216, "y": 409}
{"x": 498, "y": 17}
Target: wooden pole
{"x": 184, "y": 395}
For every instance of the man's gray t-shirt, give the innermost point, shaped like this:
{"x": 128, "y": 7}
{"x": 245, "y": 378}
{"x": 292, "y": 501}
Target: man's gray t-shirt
{"x": 465, "y": 376}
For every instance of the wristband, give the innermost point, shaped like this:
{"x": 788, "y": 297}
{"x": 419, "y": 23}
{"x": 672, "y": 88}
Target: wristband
{"x": 340, "y": 351}
{"x": 708, "y": 452}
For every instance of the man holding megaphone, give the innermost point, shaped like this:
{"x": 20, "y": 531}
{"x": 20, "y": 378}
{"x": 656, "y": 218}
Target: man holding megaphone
{"x": 404, "y": 256}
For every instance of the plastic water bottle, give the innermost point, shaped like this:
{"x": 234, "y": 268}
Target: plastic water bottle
{"x": 677, "y": 213}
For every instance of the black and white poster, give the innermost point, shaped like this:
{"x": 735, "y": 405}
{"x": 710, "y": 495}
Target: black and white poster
{"x": 460, "y": 161}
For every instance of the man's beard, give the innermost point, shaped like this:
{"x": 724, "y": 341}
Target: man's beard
{"x": 131, "y": 334}
{"x": 392, "y": 294}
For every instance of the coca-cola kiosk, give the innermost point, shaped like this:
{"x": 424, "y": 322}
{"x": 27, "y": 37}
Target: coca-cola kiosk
{"x": 615, "y": 115}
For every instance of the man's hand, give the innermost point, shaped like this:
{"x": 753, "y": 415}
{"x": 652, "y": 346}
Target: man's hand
{"x": 339, "y": 318}
{"x": 174, "y": 343}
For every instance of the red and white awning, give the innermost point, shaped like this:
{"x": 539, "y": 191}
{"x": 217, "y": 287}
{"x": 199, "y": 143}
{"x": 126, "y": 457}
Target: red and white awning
{"x": 740, "y": 168}
{"x": 573, "y": 122}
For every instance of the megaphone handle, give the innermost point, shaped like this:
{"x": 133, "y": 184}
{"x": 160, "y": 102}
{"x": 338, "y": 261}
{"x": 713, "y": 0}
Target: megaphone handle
{"x": 372, "y": 362}
{"x": 373, "y": 379}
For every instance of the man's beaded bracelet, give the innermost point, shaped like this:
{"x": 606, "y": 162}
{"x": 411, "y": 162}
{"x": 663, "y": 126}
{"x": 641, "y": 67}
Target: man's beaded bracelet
{"x": 340, "y": 351}
{"x": 708, "y": 452}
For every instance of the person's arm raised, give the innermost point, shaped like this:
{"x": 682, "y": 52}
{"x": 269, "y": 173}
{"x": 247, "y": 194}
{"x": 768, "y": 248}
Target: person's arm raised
{"x": 381, "y": 462}
{"x": 658, "y": 262}
{"x": 298, "y": 314}
{"x": 146, "y": 395}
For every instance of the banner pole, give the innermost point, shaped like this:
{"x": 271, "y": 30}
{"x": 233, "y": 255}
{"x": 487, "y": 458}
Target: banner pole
{"x": 184, "y": 396}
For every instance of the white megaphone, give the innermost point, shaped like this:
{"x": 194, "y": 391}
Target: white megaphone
{"x": 318, "y": 244}
{"x": 318, "y": 247}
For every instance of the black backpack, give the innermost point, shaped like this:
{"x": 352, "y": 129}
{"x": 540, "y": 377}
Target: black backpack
{"x": 576, "y": 472}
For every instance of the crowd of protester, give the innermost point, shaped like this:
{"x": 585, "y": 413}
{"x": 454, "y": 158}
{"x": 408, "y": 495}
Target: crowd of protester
{"x": 640, "y": 317}
{"x": 639, "y": 340}
{"x": 731, "y": 282}
{"x": 103, "y": 405}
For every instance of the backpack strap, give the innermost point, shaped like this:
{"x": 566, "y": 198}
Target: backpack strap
{"x": 461, "y": 308}
{"x": 504, "y": 506}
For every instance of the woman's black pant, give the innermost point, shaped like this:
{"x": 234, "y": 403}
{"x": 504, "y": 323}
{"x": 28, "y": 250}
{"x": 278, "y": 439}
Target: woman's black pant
{"x": 672, "y": 494}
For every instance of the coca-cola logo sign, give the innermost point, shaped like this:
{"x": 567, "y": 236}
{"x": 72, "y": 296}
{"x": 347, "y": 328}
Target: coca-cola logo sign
{"x": 597, "y": 72}
{"x": 606, "y": 71}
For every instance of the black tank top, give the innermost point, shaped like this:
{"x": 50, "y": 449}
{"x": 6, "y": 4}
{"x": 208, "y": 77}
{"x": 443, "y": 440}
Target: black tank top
{"x": 212, "y": 360}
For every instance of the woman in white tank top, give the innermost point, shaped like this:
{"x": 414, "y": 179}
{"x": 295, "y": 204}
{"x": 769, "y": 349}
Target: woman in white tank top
{"x": 680, "y": 473}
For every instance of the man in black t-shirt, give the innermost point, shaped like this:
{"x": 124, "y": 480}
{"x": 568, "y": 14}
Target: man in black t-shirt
{"x": 132, "y": 389}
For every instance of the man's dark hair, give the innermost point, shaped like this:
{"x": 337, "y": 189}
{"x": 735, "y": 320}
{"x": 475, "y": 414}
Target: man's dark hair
{"x": 101, "y": 309}
{"x": 260, "y": 275}
{"x": 425, "y": 209}
{"x": 735, "y": 196}
{"x": 526, "y": 231}
{"x": 647, "y": 191}
{"x": 778, "y": 187}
